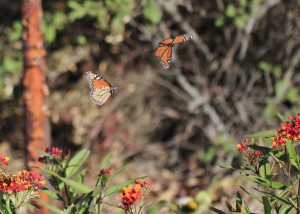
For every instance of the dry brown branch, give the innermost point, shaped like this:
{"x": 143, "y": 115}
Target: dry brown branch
{"x": 200, "y": 44}
{"x": 261, "y": 11}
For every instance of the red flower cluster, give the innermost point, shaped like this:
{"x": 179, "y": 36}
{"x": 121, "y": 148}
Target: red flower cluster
{"x": 4, "y": 160}
{"x": 130, "y": 195}
{"x": 105, "y": 171}
{"x": 55, "y": 152}
{"x": 289, "y": 131}
{"x": 251, "y": 154}
{"x": 23, "y": 181}
{"x": 142, "y": 183}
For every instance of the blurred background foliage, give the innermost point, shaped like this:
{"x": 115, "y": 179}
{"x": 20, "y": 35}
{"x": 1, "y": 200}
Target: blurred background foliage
{"x": 240, "y": 69}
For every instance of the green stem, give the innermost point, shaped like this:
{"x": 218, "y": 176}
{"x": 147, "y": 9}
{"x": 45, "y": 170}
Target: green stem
{"x": 298, "y": 198}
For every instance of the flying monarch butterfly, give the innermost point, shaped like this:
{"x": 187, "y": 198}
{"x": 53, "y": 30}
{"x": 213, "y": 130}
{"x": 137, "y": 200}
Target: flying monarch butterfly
{"x": 101, "y": 90}
{"x": 164, "y": 50}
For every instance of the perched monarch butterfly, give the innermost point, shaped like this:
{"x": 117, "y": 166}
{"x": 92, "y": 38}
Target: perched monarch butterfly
{"x": 101, "y": 90}
{"x": 164, "y": 50}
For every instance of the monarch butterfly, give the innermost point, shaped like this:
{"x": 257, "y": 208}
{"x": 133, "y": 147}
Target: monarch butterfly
{"x": 101, "y": 90}
{"x": 164, "y": 50}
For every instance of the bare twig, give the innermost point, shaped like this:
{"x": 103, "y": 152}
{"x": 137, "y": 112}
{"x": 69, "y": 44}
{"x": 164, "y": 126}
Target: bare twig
{"x": 261, "y": 11}
{"x": 200, "y": 44}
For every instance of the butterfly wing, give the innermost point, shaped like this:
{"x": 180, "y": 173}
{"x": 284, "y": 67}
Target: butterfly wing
{"x": 100, "y": 95}
{"x": 101, "y": 90}
{"x": 164, "y": 50}
{"x": 181, "y": 38}
{"x": 164, "y": 54}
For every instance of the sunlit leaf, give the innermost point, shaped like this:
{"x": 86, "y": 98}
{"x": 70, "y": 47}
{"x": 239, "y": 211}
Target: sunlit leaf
{"x": 230, "y": 11}
{"x": 267, "y": 205}
{"x": 291, "y": 150}
{"x": 76, "y": 162}
{"x": 152, "y": 11}
{"x": 75, "y": 185}
{"x": 54, "y": 209}
{"x": 52, "y": 194}
{"x": 106, "y": 161}
{"x": 263, "y": 134}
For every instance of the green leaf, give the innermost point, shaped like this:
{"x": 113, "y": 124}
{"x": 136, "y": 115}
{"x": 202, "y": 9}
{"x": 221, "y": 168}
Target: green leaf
{"x": 263, "y": 134}
{"x": 5, "y": 208}
{"x": 97, "y": 190}
{"x": 265, "y": 182}
{"x": 251, "y": 195}
{"x": 265, "y": 150}
{"x": 81, "y": 39}
{"x": 75, "y": 185}
{"x": 216, "y": 210}
{"x": 47, "y": 171}
{"x": 267, "y": 205}
{"x": 106, "y": 161}
{"x": 243, "y": 3}
{"x": 152, "y": 11}
{"x": 281, "y": 87}
{"x": 239, "y": 202}
{"x": 17, "y": 31}
{"x": 50, "y": 207}
{"x": 241, "y": 21}
{"x": 277, "y": 71}
{"x": 270, "y": 109}
{"x": 265, "y": 66}
{"x": 30, "y": 205}
{"x": 282, "y": 118}
{"x": 229, "y": 207}
{"x": 230, "y": 11}
{"x": 69, "y": 209}
{"x": 79, "y": 178}
{"x": 287, "y": 208}
{"x": 274, "y": 197}
{"x": 291, "y": 150}
{"x": 42, "y": 152}
{"x": 52, "y": 194}
{"x": 264, "y": 168}
{"x": 76, "y": 162}
{"x": 292, "y": 95}
{"x": 119, "y": 187}
{"x": 119, "y": 171}
{"x": 10, "y": 64}
{"x": 77, "y": 14}
{"x": 219, "y": 21}
{"x": 227, "y": 166}
{"x": 161, "y": 204}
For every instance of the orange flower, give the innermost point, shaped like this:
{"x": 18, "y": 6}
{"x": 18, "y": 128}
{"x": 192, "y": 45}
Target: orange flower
{"x": 130, "y": 195}
{"x": 21, "y": 182}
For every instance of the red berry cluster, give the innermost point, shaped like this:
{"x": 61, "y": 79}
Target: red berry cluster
{"x": 251, "y": 154}
{"x": 55, "y": 153}
{"x": 105, "y": 171}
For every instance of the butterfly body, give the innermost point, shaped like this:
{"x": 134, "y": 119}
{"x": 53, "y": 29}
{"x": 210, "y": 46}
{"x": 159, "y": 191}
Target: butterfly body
{"x": 164, "y": 50}
{"x": 101, "y": 90}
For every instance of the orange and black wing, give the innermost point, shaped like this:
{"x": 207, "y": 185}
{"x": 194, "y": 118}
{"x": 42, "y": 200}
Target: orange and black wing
{"x": 101, "y": 90}
{"x": 164, "y": 50}
{"x": 181, "y": 38}
{"x": 164, "y": 54}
